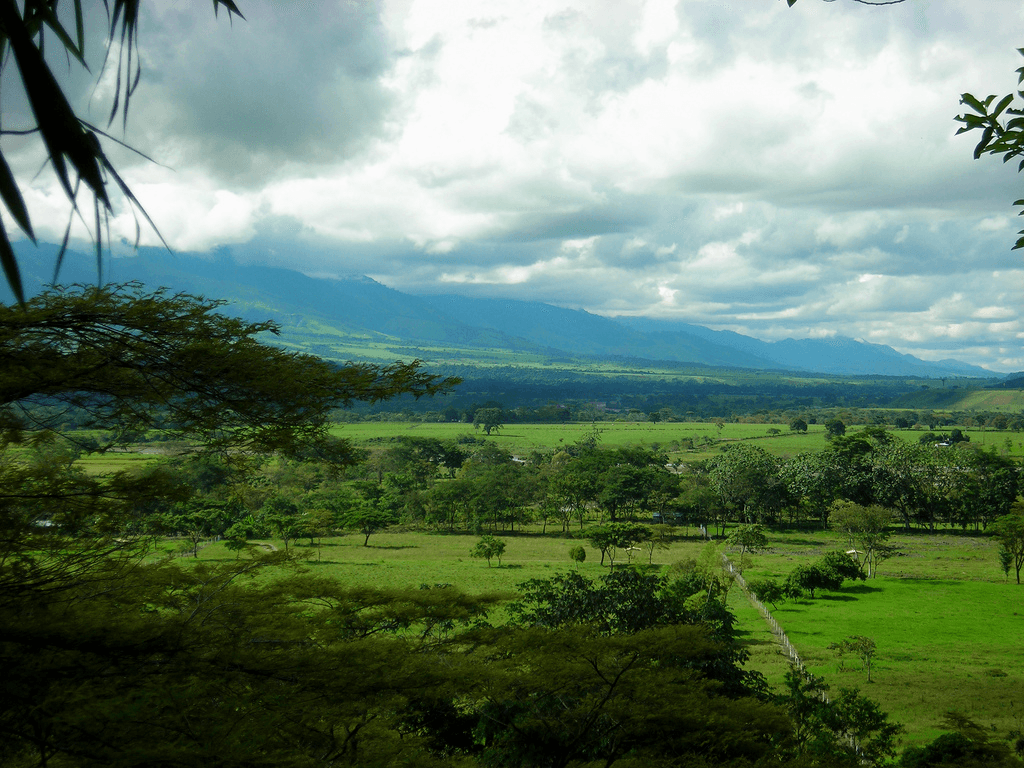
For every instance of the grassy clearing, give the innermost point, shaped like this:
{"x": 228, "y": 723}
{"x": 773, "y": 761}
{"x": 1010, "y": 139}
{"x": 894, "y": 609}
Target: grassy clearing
{"x": 524, "y": 438}
{"x": 404, "y": 558}
{"x": 946, "y": 624}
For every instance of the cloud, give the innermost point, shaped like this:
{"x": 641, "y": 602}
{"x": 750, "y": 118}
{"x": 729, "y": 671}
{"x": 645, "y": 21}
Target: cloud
{"x": 775, "y": 171}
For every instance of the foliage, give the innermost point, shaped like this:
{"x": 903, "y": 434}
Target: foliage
{"x": 748, "y": 538}
{"x": 1009, "y": 532}
{"x": 121, "y": 660}
{"x": 828, "y": 573}
{"x": 66, "y": 138}
{"x": 489, "y": 548}
{"x": 748, "y": 480}
{"x": 859, "y": 645}
{"x": 834, "y": 428}
{"x": 610, "y": 538}
{"x": 1002, "y": 127}
{"x": 867, "y": 529}
{"x": 578, "y": 555}
{"x": 768, "y": 591}
{"x": 629, "y": 601}
{"x": 490, "y": 419}
{"x": 129, "y": 361}
{"x": 212, "y": 664}
{"x": 798, "y": 425}
{"x": 368, "y": 519}
{"x": 823, "y": 727}
{"x": 561, "y": 697}
{"x": 966, "y": 744}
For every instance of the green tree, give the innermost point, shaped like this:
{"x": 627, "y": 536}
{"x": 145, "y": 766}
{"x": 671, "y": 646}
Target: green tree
{"x": 966, "y": 743}
{"x": 578, "y": 555}
{"x": 834, "y": 428}
{"x": 866, "y": 528}
{"x": 1001, "y": 122}
{"x": 490, "y": 419}
{"x": 207, "y": 658}
{"x": 609, "y": 539}
{"x": 845, "y": 730}
{"x": 798, "y": 425}
{"x": 768, "y": 591}
{"x": 488, "y": 548}
{"x": 750, "y": 538}
{"x": 748, "y": 480}
{"x": 1009, "y": 532}
{"x": 862, "y": 647}
{"x": 827, "y": 573}
{"x": 368, "y": 519}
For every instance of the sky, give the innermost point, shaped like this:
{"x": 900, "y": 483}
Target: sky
{"x": 738, "y": 164}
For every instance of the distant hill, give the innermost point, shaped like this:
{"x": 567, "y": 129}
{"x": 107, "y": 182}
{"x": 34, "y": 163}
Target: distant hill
{"x": 358, "y": 317}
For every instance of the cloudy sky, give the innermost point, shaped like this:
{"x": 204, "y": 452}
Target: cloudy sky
{"x": 733, "y": 163}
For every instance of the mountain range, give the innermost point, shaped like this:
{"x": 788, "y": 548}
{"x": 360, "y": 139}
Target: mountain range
{"x": 356, "y": 316}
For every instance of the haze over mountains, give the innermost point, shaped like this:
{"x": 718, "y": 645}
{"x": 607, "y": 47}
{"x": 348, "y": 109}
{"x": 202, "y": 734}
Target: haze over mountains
{"x": 333, "y": 317}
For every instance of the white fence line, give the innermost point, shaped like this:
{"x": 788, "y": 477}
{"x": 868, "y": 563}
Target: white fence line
{"x": 780, "y": 635}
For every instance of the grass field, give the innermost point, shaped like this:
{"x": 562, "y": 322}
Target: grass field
{"x": 946, "y": 623}
{"x": 521, "y": 439}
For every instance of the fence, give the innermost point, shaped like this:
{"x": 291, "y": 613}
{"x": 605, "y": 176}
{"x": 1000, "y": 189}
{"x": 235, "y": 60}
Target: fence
{"x": 777, "y": 631}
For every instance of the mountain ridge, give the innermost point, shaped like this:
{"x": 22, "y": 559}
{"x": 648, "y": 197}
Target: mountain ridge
{"x": 359, "y": 309}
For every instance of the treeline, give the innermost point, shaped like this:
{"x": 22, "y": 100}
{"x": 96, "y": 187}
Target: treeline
{"x": 595, "y": 411}
{"x": 473, "y": 485}
{"x": 690, "y": 390}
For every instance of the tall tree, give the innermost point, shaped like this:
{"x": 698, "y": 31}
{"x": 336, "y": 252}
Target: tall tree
{"x": 1009, "y": 532}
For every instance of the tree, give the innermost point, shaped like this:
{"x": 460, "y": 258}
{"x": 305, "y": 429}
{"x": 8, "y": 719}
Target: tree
{"x": 748, "y": 538}
{"x": 834, "y": 428}
{"x": 828, "y": 573}
{"x": 1009, "y": 532}
{"x": 487, "y": 548}
{"x": 368, "y": 519}
{"x": 608, "y": 539}
{"x": 767, "y": 591}
{"x": 798, "y": 425}
{"x": 578, "y": 555}
{"x": 859, "y": 645}
{"x": 208, "y": 660}
{"x": 842, "y": 730}
{"x": 66, "y": 138}
{"x": 491, "y": 419}
{"x": 866, "y": 528}
{"x": 748, "y": 480}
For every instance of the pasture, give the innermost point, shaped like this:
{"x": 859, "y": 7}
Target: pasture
{"x": 946, "y": 623}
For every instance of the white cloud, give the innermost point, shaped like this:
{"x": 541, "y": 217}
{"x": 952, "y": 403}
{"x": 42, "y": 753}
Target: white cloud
{"x": 734, "y": 163}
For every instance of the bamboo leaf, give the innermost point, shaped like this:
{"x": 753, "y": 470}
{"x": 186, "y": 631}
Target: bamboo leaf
{"x": 10, "y": 266}
{"x": 12, "y": 198}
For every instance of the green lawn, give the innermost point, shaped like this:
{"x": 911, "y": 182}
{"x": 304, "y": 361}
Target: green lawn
{"x": 946, "y": 624}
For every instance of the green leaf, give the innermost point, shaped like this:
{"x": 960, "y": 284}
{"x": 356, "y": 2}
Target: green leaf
{"x": 973, "y": 103}
{"x": 10, "y": 266}
{"x": 1003, "y": 104}
{"x": 986, "y": 137}
{"x": 12, "y": 198}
